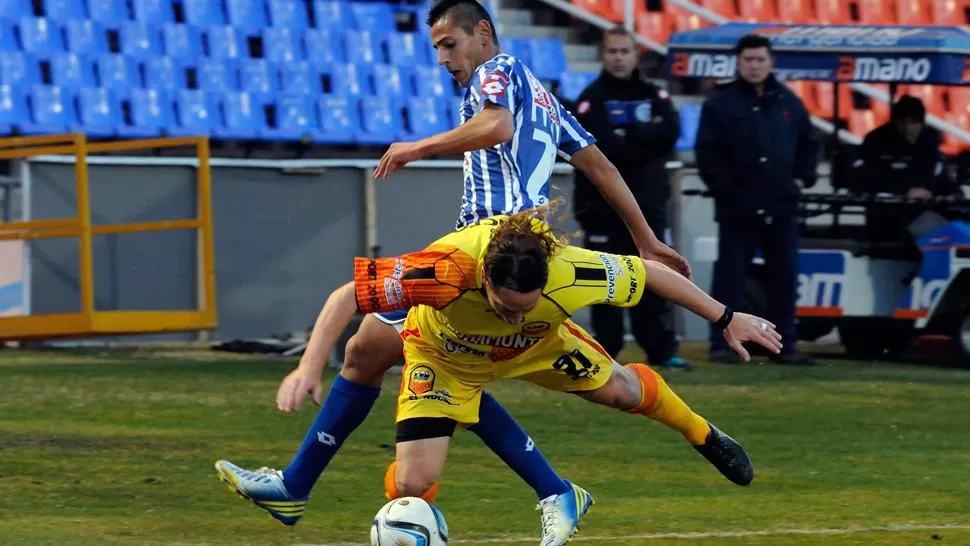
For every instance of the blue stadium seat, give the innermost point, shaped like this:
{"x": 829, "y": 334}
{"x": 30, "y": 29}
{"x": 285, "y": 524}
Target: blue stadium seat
{"x": 361, "y": 46}
{"x": 426, "y": 117}
{"x": 287, "y": 13}
{"x": 117, "y": 72}
{"x": 407, "y": 48}
{"x": 324, "y": 46}
{"x": 548, "y": 59}
{"x": 41, "y": 36}
{"x": 392, "y": 81}
{"x": 108, "y": 11}
{"x": 52, "y": 111}
{"x": 332, "y": 14}
{"x": 339, "y": 119}
{"x": 15, "y": 9}
{"x": 247, "y": 14}
{"x": 203, "y": 13}
{"x": 18, "y": 69}
{"x": 181, "y": 41}
{"x": 164, "y": 73}
{"x": 72, "y": 71}
{"x": 196, "y": 113}
{"x": 155, "y": 11}
{"x": 572, "y": 84}
{"x": 281, "y": 45}
{"x": 99, "y": 111}
{"x": 152, "y": 113}
{"x": 348, "y": 80}
{"x": 216, "y": 75}
{"x": 242, "y": 116}
{"x": 432, "y": 81}
{"x": 520, "y": 48}
{"x": 139, "y": 39}
{"x": 61, "y": 10}
{"x": 224, "y": 42}
{"x": 86, "y": 37}
{"x": 13, "y": 108}
{"x": 258, "y": 76}
{"x": 380, "y": 121}
{"x": 372, "y": 16}
{"x": 8, "y": 38}
{"x": 300, "y": 78}
{"x": 296, "y": 119}
{"x": 690, "y": 117}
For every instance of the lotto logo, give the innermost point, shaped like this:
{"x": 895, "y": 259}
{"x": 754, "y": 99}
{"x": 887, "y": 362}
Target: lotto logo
{"x": 326, "y": 439}
{"x": 493, "y": 87}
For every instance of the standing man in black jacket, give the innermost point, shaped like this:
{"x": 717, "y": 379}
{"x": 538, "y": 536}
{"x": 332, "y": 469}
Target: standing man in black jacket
{"x": 756, "y": 150}
{"x": 636, "y": 126}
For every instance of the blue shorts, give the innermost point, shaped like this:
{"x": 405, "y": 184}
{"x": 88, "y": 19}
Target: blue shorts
{"x": 392, "y": 317}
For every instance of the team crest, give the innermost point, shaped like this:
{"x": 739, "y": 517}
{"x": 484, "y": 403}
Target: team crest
{"x": 421, "y": 380}
{"x": 643, "y": 112}
{"x": 535, "y": 328}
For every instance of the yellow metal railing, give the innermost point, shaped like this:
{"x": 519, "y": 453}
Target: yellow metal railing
{"x": 90, "y": 321}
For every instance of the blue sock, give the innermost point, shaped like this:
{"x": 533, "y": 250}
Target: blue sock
{"x": 503, "y": 435}
{"x": 345, "y": 408}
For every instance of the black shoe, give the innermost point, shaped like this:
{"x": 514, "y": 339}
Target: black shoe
{"x": 794, "y": 359}
{"x": 727, "y": 456}
{"x": 724, "y": 356}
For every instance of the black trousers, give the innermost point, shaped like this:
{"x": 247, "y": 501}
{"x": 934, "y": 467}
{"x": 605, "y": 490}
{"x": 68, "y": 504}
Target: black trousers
{"x": 737, "y": 243}
{"x": 652, "y": 320}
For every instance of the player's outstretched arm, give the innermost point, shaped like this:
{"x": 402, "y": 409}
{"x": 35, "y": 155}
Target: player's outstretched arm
{"x": 607, "y": 179}
{"x": 739, "y": 327}
{"x": 333, "y": 319}
{"x": 493, "y": 125}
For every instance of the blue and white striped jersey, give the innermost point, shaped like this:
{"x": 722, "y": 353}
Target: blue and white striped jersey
{"x": 514, "y": 176}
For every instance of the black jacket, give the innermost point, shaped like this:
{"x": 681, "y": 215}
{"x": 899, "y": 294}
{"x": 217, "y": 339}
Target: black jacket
{"x": 636, "y": 126}
{"x": 888, "y": 163}
{"x": 750, "y": 150}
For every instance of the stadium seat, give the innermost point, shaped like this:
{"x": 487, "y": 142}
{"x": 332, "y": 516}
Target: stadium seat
{"x": 72, "y": 71}
{"x": 242, "y": 116}
{"x": 151, "y": 113}
{"x": 722, "y": 7}
{"x": 833, "y": 12}
{"x": 15, "y": 9}
{"x": 300, "y": 78}
{"x": 52, "y": 111}
{"x": 216, "y": 75}
{"x": 380, "y": 122}
{"x": 794, "y": 12}
{"x": 548, "y": 59}
{"x": 86, "y": 37}
{"x": 140, "y": 39}
{"x": 258, "y": 76}
{"x": 60, "y": 10}
{"x": 247, "y": 14}
{"x": 952, "y": 145}
{"x": 181, "y": 41}
{"x": 876, "y": 12}
{"x": 196, "y": 112}
{"x": 19, "y": 70}
{"x": 426, "y": 117}
{"x": 41, "y": 36}
{"x": 348, "y": 80}
{"x": 224, "y": 42}
{"x": 948, "y": 12}
{"x": 653, "y": 25}
{"x": 959, "y": 99}
{"x": 332, "y": 14}
{"x": 324, "y": 46}
{"x": 392, "y": 81}
{"x": 108, "y": 11}
{"x": 824, "y": 97}
{"x": 913, "y": 12}
{"x": 163, "y": 73}
{"x": 690, "y": 117}
{"x": 13, "y": 108}
{"x": 155, "y": 11}
{"x": 757, "y": 10}
{"x": 281, "y": 45}
{"x": 203, "y": 13}
{"x": 117, "y": 72}
{"x": 8, "y": 38}
{"x": 518, "y": 48}
{"x": 432, "y": 81}
{"x": 362, "y": 46}
{"x": 572, "y": 84}
{"x": 296, "y": 118}
{"x": 99, "y": 112}
{"x": 610, "y": 9}
{"x": 407, "y": 48}
{"x": 339, "y": 119}
{"x": 372, "y": 16}
{"x": 288, "y": 14}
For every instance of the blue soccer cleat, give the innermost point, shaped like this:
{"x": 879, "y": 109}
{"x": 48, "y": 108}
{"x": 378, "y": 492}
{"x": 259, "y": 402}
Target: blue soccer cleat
{"x": 265, "y": 488}
{"x": 561, "y": 515}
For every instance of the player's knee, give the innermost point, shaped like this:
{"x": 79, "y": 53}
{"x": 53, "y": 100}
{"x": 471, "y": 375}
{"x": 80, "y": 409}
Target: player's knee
{"x": 415, "y": 482}
{"x": 366, "y": 360}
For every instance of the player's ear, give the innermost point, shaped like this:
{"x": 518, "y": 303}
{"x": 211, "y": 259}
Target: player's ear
{"x": 484, "y": 32}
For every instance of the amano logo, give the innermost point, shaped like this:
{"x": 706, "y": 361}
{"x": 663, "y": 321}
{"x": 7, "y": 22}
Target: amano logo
{"x": 703, "y": 65}
{"x": 883, "y": 70}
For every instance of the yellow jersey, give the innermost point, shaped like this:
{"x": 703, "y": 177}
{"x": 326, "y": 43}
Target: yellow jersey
{"x": 449, "y": 313}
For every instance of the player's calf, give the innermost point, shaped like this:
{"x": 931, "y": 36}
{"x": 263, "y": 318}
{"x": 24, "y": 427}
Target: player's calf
{"x": 407, "y": 487}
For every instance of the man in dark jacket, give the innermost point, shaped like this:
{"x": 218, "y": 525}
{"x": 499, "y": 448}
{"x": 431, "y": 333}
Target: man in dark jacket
{"x": 636, "y": 126}
{"x": 756, "y": 150}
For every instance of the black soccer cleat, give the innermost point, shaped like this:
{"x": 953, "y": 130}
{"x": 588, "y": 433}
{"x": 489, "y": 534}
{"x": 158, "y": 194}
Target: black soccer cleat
{"x": 727, "y": 456}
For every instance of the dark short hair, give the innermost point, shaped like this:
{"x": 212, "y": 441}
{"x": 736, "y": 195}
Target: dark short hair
{"x": 618, "y": 30}
{"x": 909, "y": 108}
{"x": 752, "y": 41}
{"x": 463, "y": 13}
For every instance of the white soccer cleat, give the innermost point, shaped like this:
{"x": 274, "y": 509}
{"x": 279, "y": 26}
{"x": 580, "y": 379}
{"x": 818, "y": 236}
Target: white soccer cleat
{"x": 561, "y": 514}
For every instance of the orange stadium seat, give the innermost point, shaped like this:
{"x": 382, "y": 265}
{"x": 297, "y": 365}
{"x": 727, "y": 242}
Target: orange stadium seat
{"x": 806, "y": 92}
{"x": 795, "y": 11}
{"x": 610, "y": 9}
{"x": 824, "y": 99}
{"x": 949, "y": 12}
{"x": 722, "y": 7}
{"x": 931, "y": 95}
{"x": 683, "y": 22}
{"x": 832, "y": 12}
{"x": 654, "y": 25}
{"x": 876, "y": 12}
{"x": 952, "y": 146}
{"x": 913, "y": 12}
{"x": 959, "y": 99}
{"x": 862, "y": 121}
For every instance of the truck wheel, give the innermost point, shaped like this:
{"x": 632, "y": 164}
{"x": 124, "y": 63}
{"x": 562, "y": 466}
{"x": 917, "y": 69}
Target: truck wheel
{"x": 961, "y": 337}
{"x": 872, "y": 343}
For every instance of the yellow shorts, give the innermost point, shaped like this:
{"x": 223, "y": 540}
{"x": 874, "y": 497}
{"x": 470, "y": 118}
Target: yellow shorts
{"x": 434, "y": 387}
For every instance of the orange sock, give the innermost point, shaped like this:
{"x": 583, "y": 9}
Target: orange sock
{"x": 660, "y": 403}
{"x": 390, "y": 486}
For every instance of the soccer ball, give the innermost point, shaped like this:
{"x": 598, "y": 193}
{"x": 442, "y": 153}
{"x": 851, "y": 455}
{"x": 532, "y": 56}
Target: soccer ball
{"x": 409, "y": 521}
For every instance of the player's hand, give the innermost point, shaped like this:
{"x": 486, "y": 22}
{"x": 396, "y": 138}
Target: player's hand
{"x": 396, "y": 157}
{"x": 660, "y": 252}
{"x": 296, "y": 385}
{"x": 744, "y": 327}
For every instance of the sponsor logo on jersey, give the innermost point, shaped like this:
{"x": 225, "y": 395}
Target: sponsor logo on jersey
{"x": 453, "y": 346}
{"x": 535, "y": 328}
{"x": 613, "y": 270}
{"x": 393, "y": 291}
{"x": 420, "y": 380}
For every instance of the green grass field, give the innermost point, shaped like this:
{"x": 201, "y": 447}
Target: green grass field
{"x": 118, "y": 448}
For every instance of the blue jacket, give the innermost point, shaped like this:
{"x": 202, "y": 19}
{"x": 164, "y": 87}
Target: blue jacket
{"x": 750, "y": 150}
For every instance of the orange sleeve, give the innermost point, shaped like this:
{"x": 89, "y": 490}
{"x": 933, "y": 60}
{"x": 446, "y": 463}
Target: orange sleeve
{"x": 434, "y": 277}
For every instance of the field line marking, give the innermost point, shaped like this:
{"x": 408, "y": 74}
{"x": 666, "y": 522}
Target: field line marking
{"x": 708, "y": 534}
